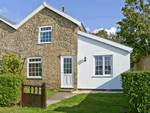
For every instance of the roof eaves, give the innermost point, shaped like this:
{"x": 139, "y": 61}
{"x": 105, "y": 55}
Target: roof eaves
{"x": 7, "y": 20}
{"x": 8, "y": 23}
{"x": 109, "y": 42}
{"x": 84, "y": 27}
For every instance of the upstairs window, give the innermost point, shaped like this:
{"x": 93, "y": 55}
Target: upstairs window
{"x": 45, "y": 34}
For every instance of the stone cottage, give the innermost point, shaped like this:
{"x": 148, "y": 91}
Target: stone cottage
{"x": 57, "y": 50}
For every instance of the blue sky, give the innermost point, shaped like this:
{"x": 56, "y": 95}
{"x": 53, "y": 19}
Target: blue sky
{"x": 95, "y": 14}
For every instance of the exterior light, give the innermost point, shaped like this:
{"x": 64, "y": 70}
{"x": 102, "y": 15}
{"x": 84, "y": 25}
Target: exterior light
{"x": 84, "y": 59}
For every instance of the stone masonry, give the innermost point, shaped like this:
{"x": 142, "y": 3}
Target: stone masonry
{"x": 24, "y": 42}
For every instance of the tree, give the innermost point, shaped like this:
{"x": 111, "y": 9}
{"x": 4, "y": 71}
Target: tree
{"x": 113, "y": 37}
{"x": 101, "y": 33}
{"x": 135, "y": 28}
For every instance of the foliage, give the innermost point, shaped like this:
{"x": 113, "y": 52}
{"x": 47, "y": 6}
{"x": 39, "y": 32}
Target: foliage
{"x": 136, "y": 86}
{"x": 10, "y": 85}
{"x": 101, "y": 33}
{"x": 12, "y": 64}
{"x": 113, "y": 37}
{"x": 135, "y": 27}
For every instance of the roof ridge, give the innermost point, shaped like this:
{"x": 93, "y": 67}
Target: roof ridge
{"x": 45, "y": 4}
{"x": 58, "y": 10}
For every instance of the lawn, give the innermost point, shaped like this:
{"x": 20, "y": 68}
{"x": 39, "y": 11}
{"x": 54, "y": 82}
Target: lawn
{"x": 48, "y": 92}
{"x": 82, "y": 103}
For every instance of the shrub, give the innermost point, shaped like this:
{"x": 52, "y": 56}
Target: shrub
{"x": 10, "y": 85}
{"x": 12, "y": 64}
{"x": 136, "y": 86}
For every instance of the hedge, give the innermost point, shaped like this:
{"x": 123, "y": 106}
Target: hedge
{"x": 136, "y": 87}
{"x": 10, "y": 85}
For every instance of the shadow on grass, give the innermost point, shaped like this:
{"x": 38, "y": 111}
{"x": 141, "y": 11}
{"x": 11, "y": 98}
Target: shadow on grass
{"x": 96, "y": 103}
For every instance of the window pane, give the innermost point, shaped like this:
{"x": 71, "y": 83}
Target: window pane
{"x": 45, "y": 28}
{"x": 40, "y": 74}
{"x": 65, "y": 71}
{"x": 101, "y": 73}
{"x": 96, "y": 58}
{"x": 65, "y": 60}
{"x": 67, "y": 65}
{"x": 96, "y": 72}
{"x": 98, "y": 65}
{"x": 45, "y": 36}
{"x": 35, "y": 60}
{"x": 35, "y": 68}
{"x": 107, "y": 65}
{"x": 70, "y": 70}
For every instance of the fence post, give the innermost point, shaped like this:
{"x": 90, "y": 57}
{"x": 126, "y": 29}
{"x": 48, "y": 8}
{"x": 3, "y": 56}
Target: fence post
{"x": 22, "y": 90}
{"x": 44, "y": 95}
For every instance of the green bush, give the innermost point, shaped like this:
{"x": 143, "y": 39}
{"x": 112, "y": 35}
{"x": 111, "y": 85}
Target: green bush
{"x": 136, "y": 86}
{"x": 12, "y": 64}
{"x": 10, "y": 91}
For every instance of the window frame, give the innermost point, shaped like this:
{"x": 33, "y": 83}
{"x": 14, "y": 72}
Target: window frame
{"x": 34, "y": 62}
{"x": 103, "y": 58}
{"x": 39, "y": 39}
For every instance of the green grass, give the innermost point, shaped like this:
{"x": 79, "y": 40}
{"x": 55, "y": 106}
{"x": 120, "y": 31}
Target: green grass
{"x": 82, "y": 103}
{"x": 48, "y": 92}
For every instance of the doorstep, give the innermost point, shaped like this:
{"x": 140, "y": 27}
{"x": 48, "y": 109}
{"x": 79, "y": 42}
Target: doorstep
{"x": 65, "y": 90}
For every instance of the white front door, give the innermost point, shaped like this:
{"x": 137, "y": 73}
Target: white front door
{"x": 67, "y": 72}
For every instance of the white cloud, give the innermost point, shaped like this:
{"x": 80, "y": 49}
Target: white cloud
{"x": 112, "y": 30}
{"x": 18, "y": 20}
{"x": 3, "y": 9}
{"x": 88, "y": 29}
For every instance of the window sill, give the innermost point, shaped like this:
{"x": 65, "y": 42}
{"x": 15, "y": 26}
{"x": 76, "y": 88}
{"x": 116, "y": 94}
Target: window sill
{"x": 33, "y": 78}
{"x": 102, "y": 76}
{"x": 44, "y": 43}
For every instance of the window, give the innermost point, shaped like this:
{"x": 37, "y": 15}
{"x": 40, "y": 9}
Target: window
{"x": 34, "y": 67}
{"x": 1, "y": 63}
{"x": 103, "y": 65}
{"x": 67, "y": 65}
{"x": 45, "y": 34}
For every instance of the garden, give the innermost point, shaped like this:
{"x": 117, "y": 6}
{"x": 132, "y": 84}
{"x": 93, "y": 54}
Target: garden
{"x": 135, "y": 97}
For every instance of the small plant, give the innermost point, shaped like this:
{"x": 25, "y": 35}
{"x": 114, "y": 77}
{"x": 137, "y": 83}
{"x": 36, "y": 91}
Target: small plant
{"x": 12, "y": 64}
{"x": 73, "y": 90}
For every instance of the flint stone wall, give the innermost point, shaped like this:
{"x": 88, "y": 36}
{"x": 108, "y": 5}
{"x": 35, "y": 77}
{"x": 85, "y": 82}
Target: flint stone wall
{"x": 24, "y": 42}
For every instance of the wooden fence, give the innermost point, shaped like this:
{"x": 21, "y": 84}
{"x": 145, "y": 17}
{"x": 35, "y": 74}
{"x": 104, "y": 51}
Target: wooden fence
{"x": 144, "y": 64}
{"x": 33, "y": 99}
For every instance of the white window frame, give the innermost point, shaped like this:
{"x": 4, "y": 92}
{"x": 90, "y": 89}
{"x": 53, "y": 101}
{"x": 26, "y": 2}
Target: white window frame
{"x": 34, "y": 62}
{"x": 111, "y": 64}
{"x": 39, "y": 39}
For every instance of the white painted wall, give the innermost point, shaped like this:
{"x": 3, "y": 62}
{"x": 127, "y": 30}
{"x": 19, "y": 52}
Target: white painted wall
{"x": 88, "y": 47}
